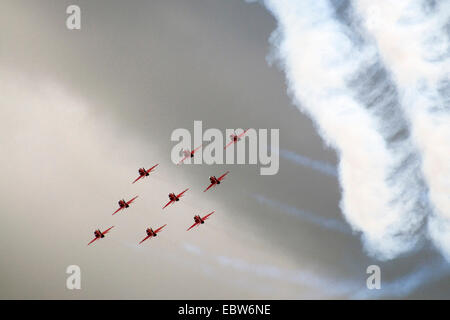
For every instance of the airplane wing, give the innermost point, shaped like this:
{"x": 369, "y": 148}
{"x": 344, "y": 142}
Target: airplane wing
{"x": 150, "y": 170}
{"x": 212, "y": 184}
{"x": 239, "y": 136}
{"x": 168, "y": 204}
{"x": 207, "y": 216}
{"x": 107, "y": 230}
{"x": 137, "y": 179}
{"x": 185, "y": 157}
{"x": 130, "y": 201}
{"x": 145, "y": 239}
{"x": 160, "y": 228}
{"x": 195, "y": 224}
{"x": 92, "y": 240}
{"x": 195, "y": 150}
{"x": 223, "y": 176}
{"x": 117, "y": 210}
{"x": 229, "y": 144}
{"x": 182, "y": 193}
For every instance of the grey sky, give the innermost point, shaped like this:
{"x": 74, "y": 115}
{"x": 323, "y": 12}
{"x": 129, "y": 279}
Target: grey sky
{"x": 83, "y": 110}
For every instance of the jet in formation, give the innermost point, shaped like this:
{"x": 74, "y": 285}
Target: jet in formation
{"x": 215, "y": 181}
{"x": 124, "y": 204}
{"x": 199, "y": 220}
{"x": 144, "y": 173}
{"x": 173, "y": 198}
{"x": 98, "y": 234}
{"x": 235, "y": 138}
{"x": 189, "y": 154}
{"x": 152, "y": 233}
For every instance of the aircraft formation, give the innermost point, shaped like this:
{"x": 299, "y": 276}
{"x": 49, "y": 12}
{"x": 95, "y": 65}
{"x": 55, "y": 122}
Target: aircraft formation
{"x": 173, "y": 197}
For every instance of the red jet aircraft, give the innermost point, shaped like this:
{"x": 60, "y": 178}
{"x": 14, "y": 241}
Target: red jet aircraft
{"x": 174, "y": 197}
{"x": 235, "y": 138}
{"x": 189, "y": 154}
{"x": 98, "y": 234}
{"x": 124, "y": 205}
{"x": 151, "y": 233}
{"x": 198, "y": 220}
{"x": 144, "y": 173}
{"x": 215, "y": 180}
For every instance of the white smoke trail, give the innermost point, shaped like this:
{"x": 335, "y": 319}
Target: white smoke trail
{"x": 413, "y": 38}
{"x": 319, "y": 166}
{"x": 409, "y": 283}
{"x": 338, "y": 80}
{"x": 329, "y": 287}
{"x": 326, "y": 223}
{"x": 403, "y": 286}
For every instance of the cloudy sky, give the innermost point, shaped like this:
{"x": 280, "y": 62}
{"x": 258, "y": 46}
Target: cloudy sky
{"x": 357, "y": 92}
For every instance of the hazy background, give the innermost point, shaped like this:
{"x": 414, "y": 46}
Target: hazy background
{"x": 82, "y": 110}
